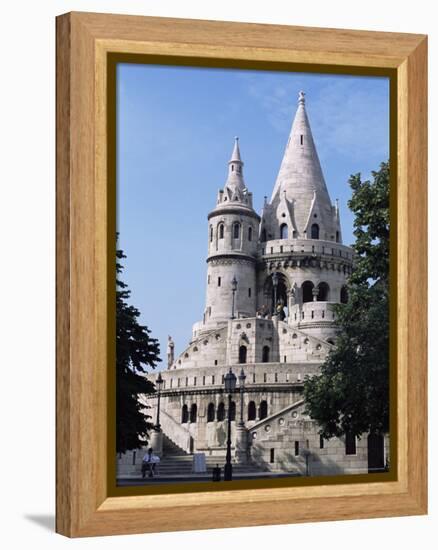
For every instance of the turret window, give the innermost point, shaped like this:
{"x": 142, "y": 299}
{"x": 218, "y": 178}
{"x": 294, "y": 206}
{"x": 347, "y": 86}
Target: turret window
{"x": 301, "y": 139}
{"x": 249, "y": 293}
{"x": 263, "y": 235}
{"x": 219, "y": 280}
{"x": 265, "y": 354}
{"x": 236, "y": 230}
{"x": 314, "y": 231}
{"x": 249, "y": 233}
{"x": 337, "y": 236}
{"x": 211, "y": 233}
{"x": 283, "y": 231}
{"x": 221, "y": 231}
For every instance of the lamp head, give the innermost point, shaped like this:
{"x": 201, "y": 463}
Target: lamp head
{"x": 230, "y": 381}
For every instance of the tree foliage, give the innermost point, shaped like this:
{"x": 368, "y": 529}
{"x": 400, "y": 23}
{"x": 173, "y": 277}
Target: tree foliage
{"x": 135, "y": 350}
{"x": 351, "y": 394}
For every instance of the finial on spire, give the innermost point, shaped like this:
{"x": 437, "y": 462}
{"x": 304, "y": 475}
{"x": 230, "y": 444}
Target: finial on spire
{"x": 301, "y": 98}
{"x": 235, "y": 156}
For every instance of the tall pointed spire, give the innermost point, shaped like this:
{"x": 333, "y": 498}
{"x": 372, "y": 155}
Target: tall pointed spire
{"x": 300, "y": 179}
{"x": 235, "y": 169}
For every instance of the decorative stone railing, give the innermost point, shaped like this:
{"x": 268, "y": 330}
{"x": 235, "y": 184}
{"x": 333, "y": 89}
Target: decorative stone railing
{"x": 298, "y": 247}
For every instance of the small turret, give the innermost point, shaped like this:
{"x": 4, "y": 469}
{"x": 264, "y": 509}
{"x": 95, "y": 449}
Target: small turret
{"x": 232, "y": 249}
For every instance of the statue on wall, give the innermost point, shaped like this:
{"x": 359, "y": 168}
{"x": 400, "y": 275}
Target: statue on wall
{"x": 170, "y": 351}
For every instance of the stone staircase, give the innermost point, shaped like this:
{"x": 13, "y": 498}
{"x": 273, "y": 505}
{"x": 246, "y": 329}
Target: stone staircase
{"x": 181, "y": 465}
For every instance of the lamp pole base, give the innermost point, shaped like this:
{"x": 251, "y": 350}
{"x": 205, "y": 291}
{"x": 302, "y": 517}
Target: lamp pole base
{"x": 228, "y": 472}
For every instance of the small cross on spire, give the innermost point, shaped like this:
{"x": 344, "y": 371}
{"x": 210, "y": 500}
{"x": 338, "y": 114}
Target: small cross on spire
{"x": 301, "y": 98}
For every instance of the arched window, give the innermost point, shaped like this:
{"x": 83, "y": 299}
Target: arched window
{"x": 263, "y": 410}
{"x": 344, "y": 295}
{"x": 314, "y": 231}
{"x": 283, "y": 231}
{"x": 263, "y": 236}
{"x": 323, "y": 292}
{"x": 193, "y": 412}
{"x": 265, "y": 354}
{"x": 307, "y": 288}
{"x": 221, "y": 412}
{"x": 184, "y": 415}
{"x": 233, "y": 410}
{"x": 252, "y": 412}
{"x": 221, "y": 231}
{"x": 242, "y": 354}
{"x": 249, "y": 233}
{"x": 236, "y": 230}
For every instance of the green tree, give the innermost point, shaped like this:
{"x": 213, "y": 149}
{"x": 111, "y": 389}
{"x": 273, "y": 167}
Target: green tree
{"x": 135, "y": 350}
{"x": 351, "y": 394}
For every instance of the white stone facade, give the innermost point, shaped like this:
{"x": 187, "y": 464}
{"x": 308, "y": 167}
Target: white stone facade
{"x": 277, "y": 334}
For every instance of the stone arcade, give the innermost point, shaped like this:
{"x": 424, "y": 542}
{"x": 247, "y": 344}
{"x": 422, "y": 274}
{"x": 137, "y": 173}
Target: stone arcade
{"x": 271, "y": 281}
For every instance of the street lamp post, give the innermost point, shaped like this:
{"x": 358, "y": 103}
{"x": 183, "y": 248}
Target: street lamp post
{"x": 158, "y": 382}
{"x": 275, "y": 285}
{"x": 242, "y": 378}
{"x": 230, "y": 386}
{"x": 233, "y": 288}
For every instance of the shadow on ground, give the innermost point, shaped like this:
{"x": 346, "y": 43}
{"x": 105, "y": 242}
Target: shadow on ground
{"x": 46, "y": 521}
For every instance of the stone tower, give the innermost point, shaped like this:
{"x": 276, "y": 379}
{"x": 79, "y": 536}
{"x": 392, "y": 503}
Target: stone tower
{"x": 232, "y": 249}
{"x": 300, "y": 239}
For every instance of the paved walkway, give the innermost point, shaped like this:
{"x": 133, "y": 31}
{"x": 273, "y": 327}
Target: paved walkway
{"x": 158, "y": 479}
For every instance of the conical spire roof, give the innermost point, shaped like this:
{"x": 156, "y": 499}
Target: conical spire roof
{"x": 300, "y": 177}
{"x": 235, "y": 169}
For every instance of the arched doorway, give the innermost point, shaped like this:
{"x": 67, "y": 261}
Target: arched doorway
{"x": 323, "y": 292}
{"x": 265, "y": 354}
{"x": 306, "y": 289}
{"x": 344, "y": 295}
{"x": 193, "y": 412}
{"x": 376, "y": 453}
{"x": 280, "y": 293}
{"x": 263, "y": 410}
{"x": 233, "y": 411}
{"x": 184, "y": 414}
{"x": 221, "y": 412}
{"x": 252, "y": 412}
{"x": 210, "y": 412}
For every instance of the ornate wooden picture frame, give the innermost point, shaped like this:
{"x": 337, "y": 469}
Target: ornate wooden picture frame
{"x": 88, "y": 45}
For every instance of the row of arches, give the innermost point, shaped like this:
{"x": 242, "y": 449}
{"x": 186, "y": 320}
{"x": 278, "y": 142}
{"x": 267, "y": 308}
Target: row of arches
{"x": 284, "y": 232}
{"x": 308, "y": 290}
{"x": 219, "y": 413}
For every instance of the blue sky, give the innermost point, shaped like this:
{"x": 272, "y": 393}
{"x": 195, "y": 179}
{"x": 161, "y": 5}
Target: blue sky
{"x": 175, "y": 131}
